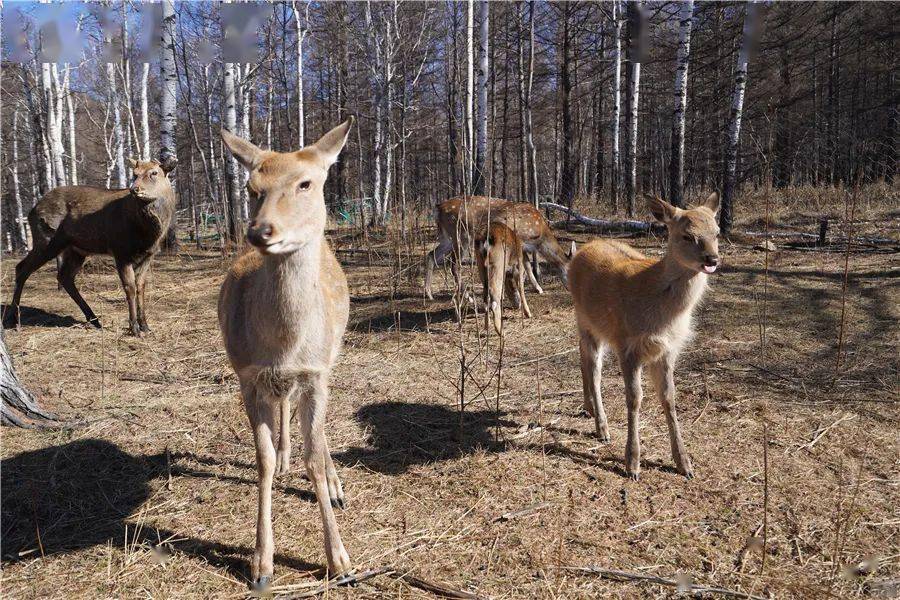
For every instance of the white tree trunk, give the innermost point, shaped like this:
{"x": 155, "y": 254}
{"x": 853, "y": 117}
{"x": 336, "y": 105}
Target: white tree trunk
{"x": 470, "y": 92}
{"x": 145, "y": 114}
{"x": 676, "y": 167}
{"x": 118, "y": 130}
{"x": 631, "y": 106}
{"x": 301, "y": 34}
{"x": 231, "y": 168}
{"x": 54, "y": 145}
{"x": 481, "y": 144}
{"x": 168, "y": 119}
{"x": 70, "y": 109}
{"x": 245, "y": 93}
{"x": 17, "y": 195}
{"x": 617, "y": 100}
{"x": 734, "y": 129}
{"x": 529, "y": 126}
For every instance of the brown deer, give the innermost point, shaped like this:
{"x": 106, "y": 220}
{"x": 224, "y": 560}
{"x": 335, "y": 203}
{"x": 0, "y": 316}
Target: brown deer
{"x": 467, "y": 217}
{"x": 283, "y": 309}
{"x": 501, "y": 264}
{"x": 78, "y": 220}
{"x": 642, "y": 308}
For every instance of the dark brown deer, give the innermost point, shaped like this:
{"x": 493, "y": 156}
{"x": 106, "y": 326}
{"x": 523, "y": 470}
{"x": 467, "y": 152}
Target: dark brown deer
{"x": 76, "y": 221}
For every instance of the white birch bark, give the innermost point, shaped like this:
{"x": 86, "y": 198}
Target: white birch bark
{"x": 617, "y": 101}
{"x": 17, "y": 195}
{"x": 726, "y": 215}
{"x": 481, "y": 143}
{"x": 54, "y": 135}
{"x": 470, "y": 92}
{"x": 145, "y": 114}
{"x": 632, "y": 103}
{"x": 244, "y": 129}
{"x": 70, "y": 110}
{"x": 118, "y": 131}
{"x": 231, "y": 169}
{"x": 676, "y": 166}
{"x": 301, "y": 35}
{"x": 529, "y": 126}
{"x": 168, "y": 119}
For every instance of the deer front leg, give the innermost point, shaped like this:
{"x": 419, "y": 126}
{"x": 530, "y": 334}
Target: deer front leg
{"x": 140, "y": 272}
{"x": 315, "y": 450}
{"x": 591, "y": 369}
{"x": 335, "y": 489}
{"x": 529, "y": 270}
{"x": 631, "y": 371}
{"x": 126, "y": 275}
{"x": 663, "y": 379}
{"x": 283, "y": 455}
{"x": 261, "y": 411}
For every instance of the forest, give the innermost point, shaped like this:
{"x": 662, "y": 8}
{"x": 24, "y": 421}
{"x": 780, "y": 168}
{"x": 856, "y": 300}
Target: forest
{"x": 492, "y": 219}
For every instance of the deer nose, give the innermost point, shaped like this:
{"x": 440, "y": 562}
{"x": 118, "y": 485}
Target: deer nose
{"x": 711, "y": 260}
{"x": 259, "y": 234}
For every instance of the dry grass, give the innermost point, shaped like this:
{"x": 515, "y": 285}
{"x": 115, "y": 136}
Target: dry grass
{"x": 154, "y": 496}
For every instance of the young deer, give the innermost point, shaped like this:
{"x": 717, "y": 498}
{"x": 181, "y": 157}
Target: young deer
{"x": 642, "y": 308}
{"x": 464, "y": 218}
{"x": 283, "y": 309}
{"x": 76, "y": 221}
{"x": 501, "y": 263}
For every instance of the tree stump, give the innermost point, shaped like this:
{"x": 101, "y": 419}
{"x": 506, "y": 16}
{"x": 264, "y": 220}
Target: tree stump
{"x": 19, "y": 407}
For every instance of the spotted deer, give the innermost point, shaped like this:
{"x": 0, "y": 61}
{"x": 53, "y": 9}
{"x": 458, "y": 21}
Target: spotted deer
{"x": 75, "y": 221}
{"x": 465, "y": 218}
{"x": 283, "y": 309}
{"x": 642, "y": 308}
{"x": 502, "y": 266}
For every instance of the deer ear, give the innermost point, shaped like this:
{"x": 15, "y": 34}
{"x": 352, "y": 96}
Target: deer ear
{"x": 572, "y": 249}
{"x": 712, "y": 202}
{"x": 329, "y": 146}
{"x": 168, "y": 165}
{"x": 662, "y": 210}
{"x": 132, "y": 162}
{"x": 245, "y": 152}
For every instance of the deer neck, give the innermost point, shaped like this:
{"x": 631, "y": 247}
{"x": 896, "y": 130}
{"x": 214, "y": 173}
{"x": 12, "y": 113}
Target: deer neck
{"x": 294, "y": 278}
{"x": 680, "y": 287}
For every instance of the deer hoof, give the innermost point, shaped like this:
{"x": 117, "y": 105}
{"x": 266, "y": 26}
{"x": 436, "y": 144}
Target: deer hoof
{"x": 145, "y": 328}
{"x": 262, "y": 584}
{"x": 634, "y": 476}
{"x": 95, "y": 322}
{"x": 337, "y": 503}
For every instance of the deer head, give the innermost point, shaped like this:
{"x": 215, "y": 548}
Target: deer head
{"x": 287, "y": 188}
{"x": 151, "y": 179}
{"x": 693, "y": 232}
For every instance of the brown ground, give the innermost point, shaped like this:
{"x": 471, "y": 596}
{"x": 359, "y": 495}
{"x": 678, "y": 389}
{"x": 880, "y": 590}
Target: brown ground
{"x": 166, "y": 454}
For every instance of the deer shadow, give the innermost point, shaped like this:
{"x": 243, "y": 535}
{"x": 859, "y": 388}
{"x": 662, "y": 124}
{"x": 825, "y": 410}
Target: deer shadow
{"x": 82, "y": 494}
{"x": 403, "y": 435}
{"x": 31, "y": 315}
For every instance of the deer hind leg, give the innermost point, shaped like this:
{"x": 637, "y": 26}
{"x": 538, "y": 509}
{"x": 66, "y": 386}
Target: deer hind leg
{"x": 261, "y": 412}
{"x": 435, "y": 257}
{"x": 335, "y": 489}
{"x": 591, "y": 368}
{"x": 520, "y": 288}
{"x": 129, "y": 284}
{"x": 70, "y": 266}
{"x": 315, "y": 451}
{"x": 140, "y": 272}
{"x": 34, "y": 260}
{"x": 662, "y": 372}
{"x": 631, "y": 371}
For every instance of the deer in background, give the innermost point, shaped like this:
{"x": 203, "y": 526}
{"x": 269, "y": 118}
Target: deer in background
{"x": 464, "y": 218}
{"x": 76, "y": 221}
{"x": 642, "y": 307}
{"x": 501, "y": 264}
{"x": 283, "y": 310}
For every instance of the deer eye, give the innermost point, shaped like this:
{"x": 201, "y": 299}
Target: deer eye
{"x": 304, "y": 185}
{"x": 689, "y": 239}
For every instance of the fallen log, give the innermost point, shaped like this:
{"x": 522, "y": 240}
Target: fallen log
{"x": 626, "y": 225}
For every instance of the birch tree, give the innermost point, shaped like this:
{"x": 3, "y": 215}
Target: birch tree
{"x": 118, "y": 130}
{"x": 676, "y": 166}
{"x": 169, "y": 77}
{"x": 632, "y": 97}
{"x": 470, "y": 92}
{"x": 481, "y": 143}
{"x": 232, "y": 174}
{"x": 145, "y": 113}
{"x": 616, "y": 61}
{"x": 302, "y": 30}
{"x": 16, "y": 190}
{"x": 54, "y": 146}
{"x": 726, "y": 214}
